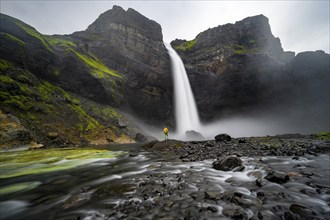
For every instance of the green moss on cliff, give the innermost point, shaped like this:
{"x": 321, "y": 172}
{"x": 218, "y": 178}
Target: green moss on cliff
{"x": 97, "y": 67}
{"x": 33, "y": 32}
{"x": 45, "y": 89}
{"x": 16, "y": 94}
{"x": 240, "y": 49}
{"x": 18, "y": 101}
{"x": 188, "y": 45}
{"x": 4, "y": 65}
{"x": 56, "y": 41}
{"x": 11, "y": 37}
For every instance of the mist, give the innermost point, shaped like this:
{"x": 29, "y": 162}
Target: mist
{"x": 255, "y": 124}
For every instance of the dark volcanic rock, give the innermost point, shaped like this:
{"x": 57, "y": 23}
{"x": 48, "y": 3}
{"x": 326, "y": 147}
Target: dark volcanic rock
{"x": 233, "y": 211}
{"x": 222, "y": 137}
{"x": 227, "y": 164}
{"x": 277, "y": 177}
{"x": 301, "y": 210}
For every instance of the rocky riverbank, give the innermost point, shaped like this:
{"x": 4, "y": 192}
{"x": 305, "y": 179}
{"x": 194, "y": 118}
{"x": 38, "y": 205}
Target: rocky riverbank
{"x": 280, "y": 177}
{"x": 280, "y": 145}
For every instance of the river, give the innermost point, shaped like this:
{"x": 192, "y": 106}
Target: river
{"x": 120, "y": 182}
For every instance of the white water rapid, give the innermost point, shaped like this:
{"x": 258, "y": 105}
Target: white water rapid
{"x": 186, "y": 113}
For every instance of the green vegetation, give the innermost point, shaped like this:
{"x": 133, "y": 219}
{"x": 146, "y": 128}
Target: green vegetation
{"x": 4, "y": 79}
{"x": 323, "y": 135}
{"x": 11, "y": 37}
{"x": 97, "y": 67}
{"x": 34, "y": 33}
{"x": 21, "y": 102}
{"x": 86, "y": 122}
{"x": 18, "y": 187}
{"x": 57, "y": 72}
{"x": 240, "y": 49}
{"x": 15, "y": 164}
{"x": 56, "y": 41}
{"x": 18, "y": 97}
{"x": 4, "y": 65}
{"x": 186, "y": 45}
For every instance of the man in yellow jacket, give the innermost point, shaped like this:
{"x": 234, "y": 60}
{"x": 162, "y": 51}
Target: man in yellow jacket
{"x": 166, "y": 133}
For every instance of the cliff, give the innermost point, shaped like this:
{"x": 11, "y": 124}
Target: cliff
{"x": 242, "y": 68}
{"x": 82, "y": 85}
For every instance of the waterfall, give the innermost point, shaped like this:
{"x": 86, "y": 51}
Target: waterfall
{"x": 185, "y": 107}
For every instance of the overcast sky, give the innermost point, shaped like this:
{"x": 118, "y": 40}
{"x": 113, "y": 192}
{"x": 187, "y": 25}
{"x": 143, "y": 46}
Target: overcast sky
{"x": 301, "y": 25}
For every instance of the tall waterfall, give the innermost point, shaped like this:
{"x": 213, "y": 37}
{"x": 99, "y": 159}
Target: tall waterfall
{"x": 185, "y": 107}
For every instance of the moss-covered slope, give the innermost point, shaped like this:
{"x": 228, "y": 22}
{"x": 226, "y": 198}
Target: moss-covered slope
{"x": 54, "y": 116}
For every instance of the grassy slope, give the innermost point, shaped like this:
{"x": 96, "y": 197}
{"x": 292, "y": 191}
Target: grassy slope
{"x": 44, "y": 107}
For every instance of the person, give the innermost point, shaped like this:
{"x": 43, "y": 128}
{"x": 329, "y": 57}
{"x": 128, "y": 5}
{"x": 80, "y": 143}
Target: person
{"x": 166, "y": 133}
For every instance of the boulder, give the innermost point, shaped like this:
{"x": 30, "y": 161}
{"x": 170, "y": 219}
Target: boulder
{"x": 301, "y": 210}
{"x": 212, "y": 195}
{"x": 233, "y": 211}
{"x": 277, "y": 177}
{"x": 222, "y": 137}
{"x": 140, "y": 137}
{"x": 34, "y": 146}
{"x": 194, "y": 136}
{"x": 52, "y": 135}
{"x": 227, "y": 163}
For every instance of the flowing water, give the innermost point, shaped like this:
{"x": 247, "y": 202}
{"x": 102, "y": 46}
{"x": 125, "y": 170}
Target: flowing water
{"x": 185, "y": 107}
{"x": 125, "y": 181}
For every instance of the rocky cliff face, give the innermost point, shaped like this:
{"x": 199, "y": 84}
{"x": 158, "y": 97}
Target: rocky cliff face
{"x": 133, "y": 45}
{"x": 242, "y": 67}
{"x": 77, "y": 85}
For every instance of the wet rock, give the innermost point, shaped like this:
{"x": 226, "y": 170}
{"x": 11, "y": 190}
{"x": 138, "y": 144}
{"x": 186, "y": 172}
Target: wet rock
{"x": 212, "y": 209}
{"x": 150, "y": 144}
{"x": 222, "y": 137}
{"x": 259, "y": 182}
{"x": 133, "y": 154}
{"x": 52, "y": 135}
{"x": 194, "y": 136}
{"x": 212, "y": 195}
{"x": 140, "y": 137}
{"x": 227, "y": 163}
{"x": 34, "y": 145}
{"x": 233, "y": 211}
{"x": 241, "y": 141}
{"x": 301, "y": 210}
{"x": 265, "y": 215}
{"x": 260, "y": 195}
{"x": 277, "y": 177}
{"x": 306, "y": 173}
